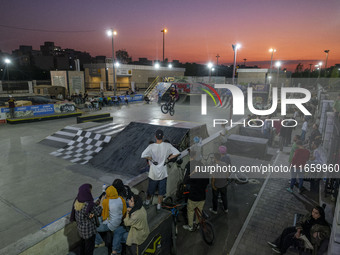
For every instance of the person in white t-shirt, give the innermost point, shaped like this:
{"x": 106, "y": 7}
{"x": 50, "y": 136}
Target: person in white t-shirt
{"x": 157, "y": 154}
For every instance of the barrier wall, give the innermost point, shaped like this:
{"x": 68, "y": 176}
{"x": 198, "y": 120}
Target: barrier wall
{"x": 60, "y": 237}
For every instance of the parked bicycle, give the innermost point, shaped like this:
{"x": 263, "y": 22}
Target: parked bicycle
{"x": 206, "y": 227}
{"x": 238, "y": 177}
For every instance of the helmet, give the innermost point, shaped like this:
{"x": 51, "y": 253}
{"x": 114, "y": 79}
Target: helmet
{"x": 196, "y": 139}
{"x": 173, "y": 86}
{"x": 222, "y": 149}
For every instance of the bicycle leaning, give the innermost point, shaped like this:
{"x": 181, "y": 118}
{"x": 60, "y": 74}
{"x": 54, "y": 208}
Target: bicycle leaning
{"x": 202, "y": 223}
{"x": 238, "y": 177}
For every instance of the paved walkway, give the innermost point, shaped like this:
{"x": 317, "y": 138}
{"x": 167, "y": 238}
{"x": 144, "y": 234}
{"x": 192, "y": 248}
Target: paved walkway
{"x": 273, "y": 211}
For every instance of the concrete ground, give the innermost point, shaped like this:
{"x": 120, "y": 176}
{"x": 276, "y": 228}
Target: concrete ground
{"x": 37, "y": 188}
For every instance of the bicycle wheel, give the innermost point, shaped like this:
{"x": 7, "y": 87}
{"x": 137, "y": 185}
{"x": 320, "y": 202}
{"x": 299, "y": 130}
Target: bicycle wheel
{"x": 241, "y": 178}
{"x": 207, "y": 232}
{"x": 174, "y": 232}
{"x": 172, "y": 111}
{"x": 164, "y": 108}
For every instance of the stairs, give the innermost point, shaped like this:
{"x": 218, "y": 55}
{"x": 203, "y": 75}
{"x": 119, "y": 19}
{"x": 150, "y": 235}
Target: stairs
{"x": 95, "y": 118}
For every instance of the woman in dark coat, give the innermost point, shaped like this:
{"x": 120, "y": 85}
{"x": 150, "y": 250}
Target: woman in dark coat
{"x": 313, "y": 225}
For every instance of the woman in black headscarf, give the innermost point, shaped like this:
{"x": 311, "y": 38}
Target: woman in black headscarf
{"x": 123, "y": 190}
{"x": 313, "y": 225}
{"x": 136, "y": 220}
{"x": 83, "y": 212}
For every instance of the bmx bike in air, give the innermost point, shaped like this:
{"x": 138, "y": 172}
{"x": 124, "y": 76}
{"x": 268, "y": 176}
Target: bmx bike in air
{"x": 168, "y": 108}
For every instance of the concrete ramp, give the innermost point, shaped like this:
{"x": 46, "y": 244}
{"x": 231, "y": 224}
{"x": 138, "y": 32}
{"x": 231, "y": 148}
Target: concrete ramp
{"x": 123, "y": 153}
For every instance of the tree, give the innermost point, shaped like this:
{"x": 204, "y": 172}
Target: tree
{"x": 123, "y": 56}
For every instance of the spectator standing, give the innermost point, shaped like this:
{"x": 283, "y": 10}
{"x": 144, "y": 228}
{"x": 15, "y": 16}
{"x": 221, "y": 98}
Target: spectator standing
{"x": 83, "y": 212}
{"x": 11, "y": 106}
{"x": 219, "y": 184}
{"x": 304, "y": 130}
{"x": 157, "y": 154}
{"x": 300, "y": 158}
{"x": 136, "y": 219}
{"x": 315, "y": 135}
{"x": 126, "y": 100}
{"x": 197, "y": 195}
{"x": 293, "y": 149}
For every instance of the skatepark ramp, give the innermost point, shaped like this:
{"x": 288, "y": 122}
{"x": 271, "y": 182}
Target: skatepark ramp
{"x": 123, "y": 153}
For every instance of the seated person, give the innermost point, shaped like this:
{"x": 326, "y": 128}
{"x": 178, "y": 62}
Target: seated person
{"x": 136, "y": 219}
{"x": 313, "y": 225}
{"x": 123, "y": 190}
{"x": 114, "y": 210}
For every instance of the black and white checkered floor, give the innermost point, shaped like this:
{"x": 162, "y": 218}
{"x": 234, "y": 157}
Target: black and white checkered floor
{"x": 85, "y": 143}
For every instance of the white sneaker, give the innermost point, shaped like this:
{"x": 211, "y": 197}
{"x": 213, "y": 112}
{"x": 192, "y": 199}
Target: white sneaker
{"x": 212, "y": 211}
{"x": 187, "y": 227}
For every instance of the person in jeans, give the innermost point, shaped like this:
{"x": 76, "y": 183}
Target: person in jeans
{"x": 114, "y": 210}
{"x": 83, "y": 212}
{"x": 300, "y": 158}
{"x": 136, "y": 220}
{"x": 157, "y": 153}
{"x": 197, "y": 183}
{"x": 219, "y": 184}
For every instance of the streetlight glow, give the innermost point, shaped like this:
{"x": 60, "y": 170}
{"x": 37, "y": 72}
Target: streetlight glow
{"x": 7, "y": 61}
{"x": 272, "y": 50}
{"x": 278, "y": 64}
{"x": 320, "y": 64}
{"x": 210, "y": 65}
{"x": 111, "y": 32}
{"x": 170, "y": 65}
{"x": 238, "y": 46}
{"x": 157, "y": 66}
{"x": 117, "y": 64}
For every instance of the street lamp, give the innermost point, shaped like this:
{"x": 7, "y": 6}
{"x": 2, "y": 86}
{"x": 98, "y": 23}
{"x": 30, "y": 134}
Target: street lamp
{"x": 164, "y": 31}
{"x": 112, "y": 33}
{"x": 271, "y": 59}
{"x": 210, "y": 66}
{"x": 157, "y": 66}
{"x": 278, "y": 64}
{"x": 235, "y": 48}
{"x": 326, "y": 51}
{"x": 7, "y": 61}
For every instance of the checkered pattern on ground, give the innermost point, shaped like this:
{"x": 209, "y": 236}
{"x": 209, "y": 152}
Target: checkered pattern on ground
{"x": 83, "y": 147}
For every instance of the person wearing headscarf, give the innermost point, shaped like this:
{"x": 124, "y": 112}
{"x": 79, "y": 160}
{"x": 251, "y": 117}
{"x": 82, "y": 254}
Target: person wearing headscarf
{"x": 313, "y": 226}
{"x": 123, "y": 190}
{"x": 114, "y": 211}
{"x": 136, "y": 220}
{"x": 84, "y": 211}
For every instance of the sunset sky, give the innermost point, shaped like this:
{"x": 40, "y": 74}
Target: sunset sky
{"x": 198, "y": 30}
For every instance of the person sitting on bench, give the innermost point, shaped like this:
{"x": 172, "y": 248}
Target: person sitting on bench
{"x": 313, "y": 226}
{"x": 136, "y": 219}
